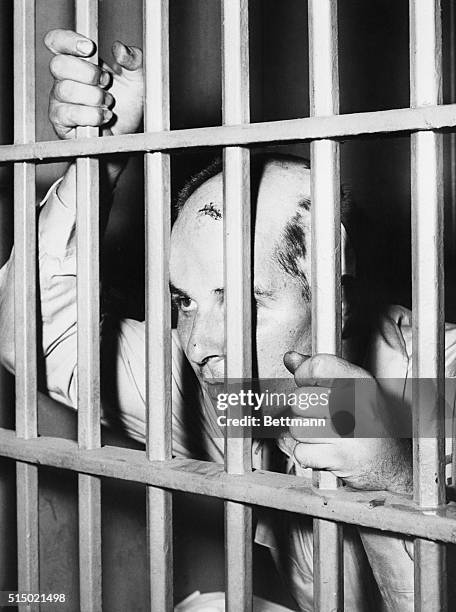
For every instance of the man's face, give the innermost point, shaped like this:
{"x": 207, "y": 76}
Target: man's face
{"x": 196, "y": 271}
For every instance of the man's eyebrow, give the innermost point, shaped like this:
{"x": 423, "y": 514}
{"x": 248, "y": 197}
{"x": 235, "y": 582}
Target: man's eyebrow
{"x": 177, "y": 291}
{"x": 304, "y": 203}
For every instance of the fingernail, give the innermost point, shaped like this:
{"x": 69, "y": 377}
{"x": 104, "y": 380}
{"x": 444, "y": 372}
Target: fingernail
{"x": 104, "y": 78}
{"x": 84, "y": 46}
{"x": 107, "y": 115}
{"x": 109, "y": 100}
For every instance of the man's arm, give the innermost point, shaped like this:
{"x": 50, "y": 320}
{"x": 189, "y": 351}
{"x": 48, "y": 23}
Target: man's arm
{"x": 83, "y": 94}
{"x": 57, "y": 286}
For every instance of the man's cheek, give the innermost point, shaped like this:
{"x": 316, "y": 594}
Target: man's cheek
{"x": 300, "y": 340}
{"x": 184, "y": 330}
{"x": 270, "y": 360}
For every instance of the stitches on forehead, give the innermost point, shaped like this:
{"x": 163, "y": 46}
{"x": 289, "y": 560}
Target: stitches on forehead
{"x": 211, "y": 210}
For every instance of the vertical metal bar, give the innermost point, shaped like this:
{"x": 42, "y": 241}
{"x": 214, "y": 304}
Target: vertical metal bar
{"x": 326, "y": 284}
{"x": 452, "y": 78}
{"x": 87, "y": 189}
{"x": 452, "y": 233}
{"x": 428, "y": 297}
{"x": 237, "y": 262}
{"x": 158, "y": 307}
{"x": 25, "y": 296}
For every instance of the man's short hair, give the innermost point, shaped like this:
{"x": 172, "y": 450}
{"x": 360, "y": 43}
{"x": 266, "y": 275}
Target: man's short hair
{"x": 291, "y": 250}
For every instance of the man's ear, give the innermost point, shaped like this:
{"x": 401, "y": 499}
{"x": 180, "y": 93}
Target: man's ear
{"x": 347, "y": 254}
{"x": 349, "y": 284}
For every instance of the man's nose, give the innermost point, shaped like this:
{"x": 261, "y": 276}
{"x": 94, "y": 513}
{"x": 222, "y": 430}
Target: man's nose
{"x": 206, "y": 341}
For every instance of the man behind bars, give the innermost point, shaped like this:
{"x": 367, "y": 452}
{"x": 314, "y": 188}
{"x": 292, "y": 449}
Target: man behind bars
{"x": 86, "y": 95}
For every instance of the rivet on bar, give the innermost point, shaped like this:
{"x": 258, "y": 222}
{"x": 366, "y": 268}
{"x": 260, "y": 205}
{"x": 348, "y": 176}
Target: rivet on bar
{"x": 158, "y": 306}
{"x": 88, "y": 310}
{"x": 326, "y": 288}
{"x": 25, "y": 296}
{"x": 428, "y": 298}
{"x": 237, "y": 262}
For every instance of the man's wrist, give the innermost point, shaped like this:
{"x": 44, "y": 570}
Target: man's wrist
{"x": 111, "y": 170}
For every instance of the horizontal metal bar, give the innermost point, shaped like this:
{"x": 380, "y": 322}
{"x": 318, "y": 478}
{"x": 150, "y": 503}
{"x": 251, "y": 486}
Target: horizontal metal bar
{"x": 309, "y": 128}
{"x": 377, "y": 509}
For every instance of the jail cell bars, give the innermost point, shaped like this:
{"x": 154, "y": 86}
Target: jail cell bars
{"x": 236, "y": 483}
{"x": 238, "y": 331}
{"x": 88, "y": 309}
{"x": 25, "y": 295}
{"x": 428, "y": 299}
{"x": 325, "y": 258}
{"x": 158, "y": 306}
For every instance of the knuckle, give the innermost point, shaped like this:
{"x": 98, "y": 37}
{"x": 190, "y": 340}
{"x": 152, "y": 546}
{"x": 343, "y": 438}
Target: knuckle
{"x": 100, "y": 96}
{"x": 99, "y": 115}
{"x": 97, "y": 72}
{"x": 55, "y": 114}
{"x": 61, "y": 114}
{"x": 52, "y": 114}
{"x": 55, "y": 65}
{"x": 61, "y": 90}
{"x": 93, "y": 73}
{"x": 72, "y": 115}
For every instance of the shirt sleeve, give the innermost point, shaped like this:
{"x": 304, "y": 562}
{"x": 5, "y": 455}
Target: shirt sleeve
{"x": 391, "y": 559}
{"x": 57, "y": 274}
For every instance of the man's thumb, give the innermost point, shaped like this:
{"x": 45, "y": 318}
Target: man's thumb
{"x": 129, "y": 58}
{"x": 293, "y": 360}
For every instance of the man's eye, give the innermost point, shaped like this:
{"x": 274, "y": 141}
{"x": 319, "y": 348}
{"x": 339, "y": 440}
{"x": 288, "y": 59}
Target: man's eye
{"x": 184, "y": 303}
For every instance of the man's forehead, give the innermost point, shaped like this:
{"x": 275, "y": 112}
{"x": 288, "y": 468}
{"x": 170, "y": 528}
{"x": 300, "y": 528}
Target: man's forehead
{"x": 197, "y": 242}
{"x": 206, "y": 199}
{"x": 283, "y": 186}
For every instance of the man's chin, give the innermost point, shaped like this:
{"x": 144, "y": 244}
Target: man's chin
{"x": 211, "y": 382}
{"x": 210, "y": 378}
